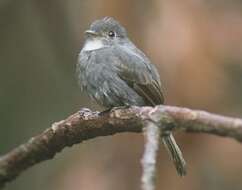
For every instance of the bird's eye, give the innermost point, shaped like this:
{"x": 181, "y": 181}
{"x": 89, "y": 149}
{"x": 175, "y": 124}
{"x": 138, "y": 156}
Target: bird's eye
{"x": 111, "y": 34}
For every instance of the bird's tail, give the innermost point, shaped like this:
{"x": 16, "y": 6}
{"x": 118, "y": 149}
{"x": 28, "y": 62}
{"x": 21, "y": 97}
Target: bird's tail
{"x": 175, "y": 153}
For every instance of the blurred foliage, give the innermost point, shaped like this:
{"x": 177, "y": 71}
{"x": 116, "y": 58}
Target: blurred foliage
{"x": 197, "y": 46}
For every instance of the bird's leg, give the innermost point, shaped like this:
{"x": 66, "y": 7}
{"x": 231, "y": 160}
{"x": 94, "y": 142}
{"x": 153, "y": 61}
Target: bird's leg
{"x": 105, "y": 112}
{"x": 120, "y": 107}
{"x": 113, "y": 109}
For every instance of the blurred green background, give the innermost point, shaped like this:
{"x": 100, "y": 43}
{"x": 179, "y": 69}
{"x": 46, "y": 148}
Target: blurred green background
{"x": 197, "y": 46}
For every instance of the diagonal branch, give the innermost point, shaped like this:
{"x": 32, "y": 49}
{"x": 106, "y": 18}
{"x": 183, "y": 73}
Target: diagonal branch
{"x": 86, "y": 125}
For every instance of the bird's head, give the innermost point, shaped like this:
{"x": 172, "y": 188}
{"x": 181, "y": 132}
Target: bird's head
{"x": 104, "y": 33}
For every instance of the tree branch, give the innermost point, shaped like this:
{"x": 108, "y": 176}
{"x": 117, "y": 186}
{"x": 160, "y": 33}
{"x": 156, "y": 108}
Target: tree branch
{"x": 86, "y": 125}
{"x": 152, "y": 138}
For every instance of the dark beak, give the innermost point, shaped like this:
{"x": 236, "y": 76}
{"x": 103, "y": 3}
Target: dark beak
{"x": 91, "y": 33}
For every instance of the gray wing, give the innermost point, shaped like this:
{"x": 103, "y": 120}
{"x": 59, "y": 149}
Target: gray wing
{"x": 137, "y": 71}
{"x": 135, "y": 68}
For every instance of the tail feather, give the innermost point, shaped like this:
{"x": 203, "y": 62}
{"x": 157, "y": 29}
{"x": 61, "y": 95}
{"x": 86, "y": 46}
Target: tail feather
{"x": 175, "y": 153}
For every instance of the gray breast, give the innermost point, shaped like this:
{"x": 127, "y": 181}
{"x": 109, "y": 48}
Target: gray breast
{"x": 98, "y": 76}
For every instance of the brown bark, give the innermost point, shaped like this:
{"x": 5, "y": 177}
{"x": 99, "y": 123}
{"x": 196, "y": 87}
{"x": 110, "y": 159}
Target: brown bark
{"x": 86, "y": 125}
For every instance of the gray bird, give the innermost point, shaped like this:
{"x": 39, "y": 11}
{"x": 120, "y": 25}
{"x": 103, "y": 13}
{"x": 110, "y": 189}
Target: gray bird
{"x": 114, "y": 72}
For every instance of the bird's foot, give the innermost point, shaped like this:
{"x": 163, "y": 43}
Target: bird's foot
{"x": 121, "y": 107}
{"x": 105, "y": 112}
{"x": 85, "y": 112}
{"x": 113, "y": 109}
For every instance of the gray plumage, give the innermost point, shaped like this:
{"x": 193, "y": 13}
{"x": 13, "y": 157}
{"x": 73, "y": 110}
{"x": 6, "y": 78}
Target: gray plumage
{"x": 114, "y": 72}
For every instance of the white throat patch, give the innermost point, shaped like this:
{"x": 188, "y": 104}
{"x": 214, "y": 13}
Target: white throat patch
{"x": 93, "y": 45}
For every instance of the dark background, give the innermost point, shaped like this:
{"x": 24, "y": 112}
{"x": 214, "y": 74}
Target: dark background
{"x": 197, "y": 46}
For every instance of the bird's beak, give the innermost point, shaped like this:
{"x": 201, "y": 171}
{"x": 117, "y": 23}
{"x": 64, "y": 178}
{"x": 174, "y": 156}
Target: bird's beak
{"x": 91, "y": 33}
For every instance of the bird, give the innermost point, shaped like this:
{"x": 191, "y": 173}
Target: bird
{"x": 115, "y": 73}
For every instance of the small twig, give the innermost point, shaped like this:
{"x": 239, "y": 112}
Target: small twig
{"x": 152, "y": 142}
{"x": 83, "y": 126}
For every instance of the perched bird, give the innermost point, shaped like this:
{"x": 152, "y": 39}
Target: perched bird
{"x": 114, "y": 72}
